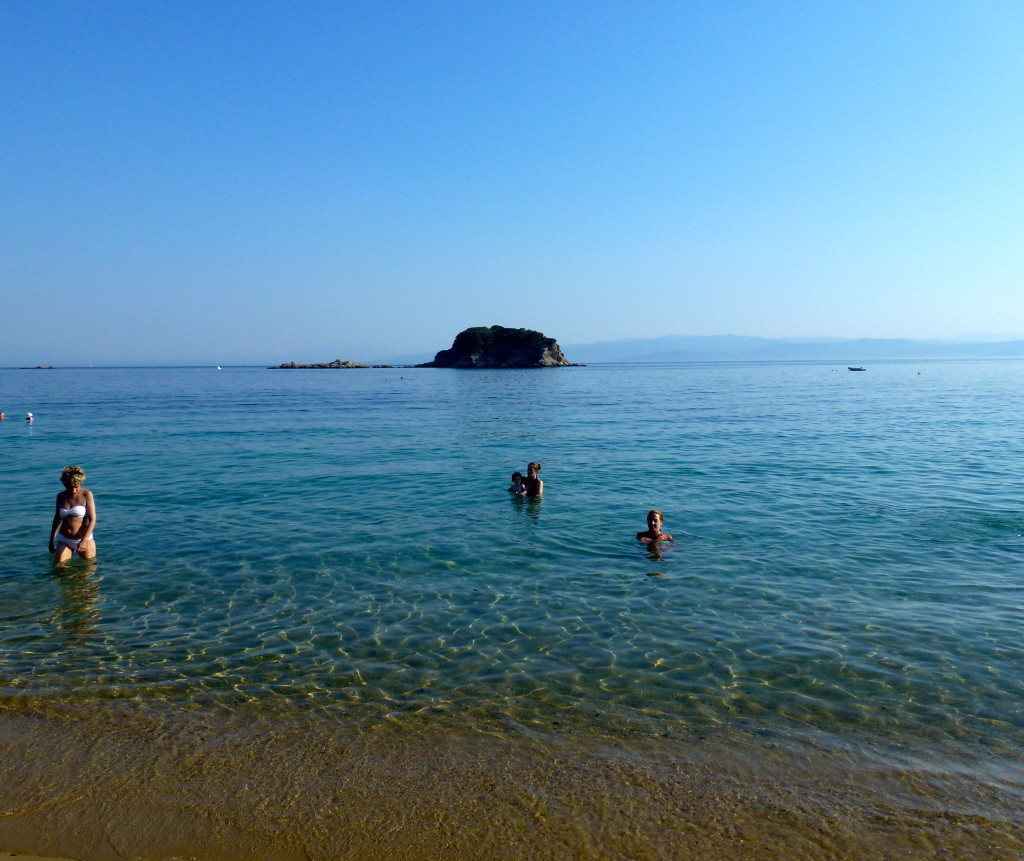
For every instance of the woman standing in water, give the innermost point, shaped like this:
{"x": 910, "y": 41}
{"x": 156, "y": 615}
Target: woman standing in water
{"x": 534, "y": 486}
{"x": 74, "y": 519}
{"x": 654, "y": 534}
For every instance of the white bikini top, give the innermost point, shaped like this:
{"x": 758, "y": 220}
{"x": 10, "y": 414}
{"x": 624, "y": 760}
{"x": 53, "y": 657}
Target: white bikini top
{"x": 74, "y": 511}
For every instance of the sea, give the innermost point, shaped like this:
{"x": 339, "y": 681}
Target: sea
{"x": 319, "y": 626}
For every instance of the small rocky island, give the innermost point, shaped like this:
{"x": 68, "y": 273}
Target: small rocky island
{"x": 337, "y": 363}
{"x": 499, "y": 347}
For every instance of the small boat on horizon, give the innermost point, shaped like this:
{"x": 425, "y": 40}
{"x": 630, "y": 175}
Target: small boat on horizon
{"x": 851, "y": 368}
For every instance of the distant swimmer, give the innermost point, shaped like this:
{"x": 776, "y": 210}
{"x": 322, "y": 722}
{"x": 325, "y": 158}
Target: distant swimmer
{"x": 74, "y": 519}
{"x": 517, "y": 486}
{"x": 534, "y": 486}
{"x": 653, "y": 534}
{"x": 29, "y": 418}
{"x": 3, "y": 417}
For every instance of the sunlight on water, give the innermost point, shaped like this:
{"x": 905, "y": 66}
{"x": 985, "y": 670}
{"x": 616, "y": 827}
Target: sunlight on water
{"x": 847, "y": 569}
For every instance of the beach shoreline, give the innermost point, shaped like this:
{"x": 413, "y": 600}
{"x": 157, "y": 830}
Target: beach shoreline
{"x": 824, "y": 665}
{"x": 97, "y": 784}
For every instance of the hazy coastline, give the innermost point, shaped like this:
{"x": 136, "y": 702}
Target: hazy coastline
{"x": 674, "y": 348}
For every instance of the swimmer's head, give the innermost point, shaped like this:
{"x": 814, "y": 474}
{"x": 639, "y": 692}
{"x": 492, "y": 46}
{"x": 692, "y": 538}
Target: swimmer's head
{"x": 517, "y": 477}
{"x": 72, "y": 477}
{"x": 654, "y": 516}
{"x": 533, "y": 466}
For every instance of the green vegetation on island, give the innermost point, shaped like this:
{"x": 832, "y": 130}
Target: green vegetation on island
{"x": 500, "y": 347}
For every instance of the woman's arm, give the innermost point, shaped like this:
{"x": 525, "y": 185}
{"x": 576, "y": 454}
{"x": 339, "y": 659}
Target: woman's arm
{"x": 55, "y": 525}
{"x": 90, "y": 514}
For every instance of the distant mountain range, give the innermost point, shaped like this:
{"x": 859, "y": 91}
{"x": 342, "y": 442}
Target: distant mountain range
{"x": 682, "y": 348}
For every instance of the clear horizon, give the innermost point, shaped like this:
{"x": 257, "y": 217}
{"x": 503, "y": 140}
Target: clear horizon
{"x": 377, "y": 356}
{"x": 195, "y": 183}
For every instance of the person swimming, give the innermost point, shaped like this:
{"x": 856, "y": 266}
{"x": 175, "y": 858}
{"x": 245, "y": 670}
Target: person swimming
{"x": 74, "y": 519}
{"x": 653, "y": 533}
{"x": 517, "y": 484}
{"x": 534, "y": 486}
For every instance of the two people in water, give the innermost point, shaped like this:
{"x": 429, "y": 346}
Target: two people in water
{"x": 74, "y": 519}
{"x": 531, "y": 485}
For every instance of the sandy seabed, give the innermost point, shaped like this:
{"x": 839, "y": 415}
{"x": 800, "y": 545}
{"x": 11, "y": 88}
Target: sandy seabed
{"x": 112, "y": 784}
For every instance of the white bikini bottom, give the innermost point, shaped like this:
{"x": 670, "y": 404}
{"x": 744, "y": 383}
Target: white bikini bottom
{"x": 71, "y": 542}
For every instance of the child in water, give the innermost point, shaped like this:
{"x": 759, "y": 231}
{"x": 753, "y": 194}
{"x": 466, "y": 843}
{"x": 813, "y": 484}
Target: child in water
{"x": 517, "y": 484}
{"x": 654, "y": 534}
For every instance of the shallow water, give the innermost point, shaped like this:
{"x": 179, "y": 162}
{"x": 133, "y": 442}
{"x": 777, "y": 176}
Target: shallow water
{"x": 338, "y": 547}
{"x": 139, "y": 786}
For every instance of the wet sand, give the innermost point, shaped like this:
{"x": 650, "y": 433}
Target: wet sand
{"x": 112, "y": 784}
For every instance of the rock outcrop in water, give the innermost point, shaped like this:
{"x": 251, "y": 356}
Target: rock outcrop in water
{"x": 337, "y": 363}
{"x": 499, "y": 347}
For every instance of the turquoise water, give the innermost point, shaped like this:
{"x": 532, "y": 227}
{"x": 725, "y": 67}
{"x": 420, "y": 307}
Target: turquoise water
{"x": 848, "y": 569}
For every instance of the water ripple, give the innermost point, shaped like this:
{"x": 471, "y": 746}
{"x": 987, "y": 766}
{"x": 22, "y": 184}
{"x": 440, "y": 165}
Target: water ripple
{"x": 848, "y": 562}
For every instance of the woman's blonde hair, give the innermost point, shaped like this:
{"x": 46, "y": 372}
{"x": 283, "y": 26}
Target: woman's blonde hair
{"x": 73, "y": 476}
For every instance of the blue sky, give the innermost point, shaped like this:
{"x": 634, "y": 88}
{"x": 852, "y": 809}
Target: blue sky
{"x": 234, "y": 182}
